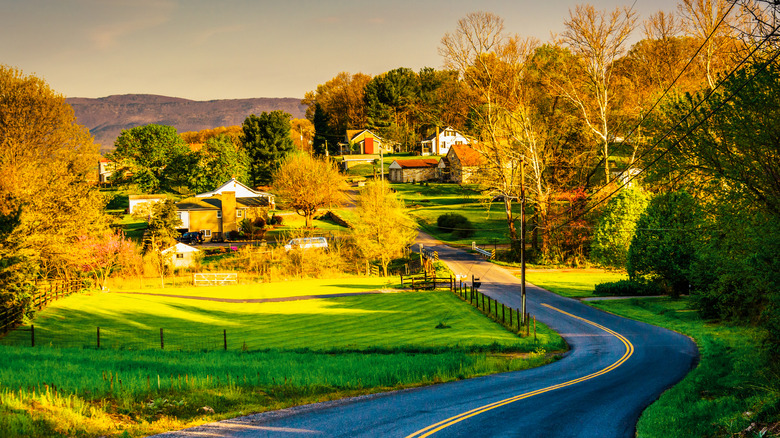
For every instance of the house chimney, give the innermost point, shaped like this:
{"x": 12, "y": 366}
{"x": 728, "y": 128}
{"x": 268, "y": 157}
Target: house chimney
{"x": 229, "y": 212}
{"x": 437, "y": 141}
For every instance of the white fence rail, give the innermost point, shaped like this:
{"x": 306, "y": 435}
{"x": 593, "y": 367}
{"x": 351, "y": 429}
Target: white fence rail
{"x": 214, "y": 278}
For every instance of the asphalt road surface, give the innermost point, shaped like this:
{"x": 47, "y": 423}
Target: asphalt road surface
{"x": 615, "y": 368}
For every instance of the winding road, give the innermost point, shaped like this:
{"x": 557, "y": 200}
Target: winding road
{"x": 614, "y": 370}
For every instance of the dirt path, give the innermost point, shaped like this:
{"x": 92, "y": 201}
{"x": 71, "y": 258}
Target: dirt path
{"x": 259, "y": 300}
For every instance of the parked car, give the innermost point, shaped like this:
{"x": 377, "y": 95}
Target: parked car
{"x": 306, "y": 243}
{"x": 191, "y": 237}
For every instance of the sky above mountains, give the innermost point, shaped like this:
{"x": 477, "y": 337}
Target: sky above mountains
{"x": 205, "y": 49}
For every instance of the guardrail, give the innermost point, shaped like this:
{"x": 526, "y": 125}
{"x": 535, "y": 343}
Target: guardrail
{"x": 490, "y": 255}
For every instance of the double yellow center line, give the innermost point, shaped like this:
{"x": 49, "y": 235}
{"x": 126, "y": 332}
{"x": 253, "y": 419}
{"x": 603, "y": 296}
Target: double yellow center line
{"x": 430, "y": 430}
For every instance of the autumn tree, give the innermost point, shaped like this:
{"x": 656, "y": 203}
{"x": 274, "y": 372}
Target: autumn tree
{"x": 302, "y": 132}
{"x": 155, "y": 157}
{"x": 220, "y": 159}
{"x": 336, "y": 106}
{"x": 266, "y": 141}
{"x": 46, "y": 199}
{"x": 492, "y": 64}
{"x": 383, "y": 228}
{"x": 307, "y": 184}
{"x": 598, "y": 38}
{"x": 196, "y": 139}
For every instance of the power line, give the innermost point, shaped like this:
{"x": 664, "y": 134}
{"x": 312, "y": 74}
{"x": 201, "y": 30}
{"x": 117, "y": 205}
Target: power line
{"x": 666, "y": 91}
{"x": 690, "y": 131}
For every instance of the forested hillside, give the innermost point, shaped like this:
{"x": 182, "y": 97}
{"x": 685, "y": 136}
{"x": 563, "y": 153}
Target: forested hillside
{"x": 106, "y": 117}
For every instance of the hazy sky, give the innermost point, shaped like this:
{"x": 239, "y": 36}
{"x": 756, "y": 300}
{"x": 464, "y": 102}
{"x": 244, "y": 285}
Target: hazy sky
{"x": 209, "y": 49}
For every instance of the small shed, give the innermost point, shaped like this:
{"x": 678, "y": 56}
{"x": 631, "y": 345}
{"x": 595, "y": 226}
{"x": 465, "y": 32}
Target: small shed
{"x": 181, "y": 255}
{"x": 414, "y": 170}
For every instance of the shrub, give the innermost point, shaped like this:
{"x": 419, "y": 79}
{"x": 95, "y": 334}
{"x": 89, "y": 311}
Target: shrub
{"x": 275, "y": 220}
{"x": 456, "y": 224}
{"x": 626, "y": 288}
{"x": 663, "y": 247}
{"x": 615, "y": 227}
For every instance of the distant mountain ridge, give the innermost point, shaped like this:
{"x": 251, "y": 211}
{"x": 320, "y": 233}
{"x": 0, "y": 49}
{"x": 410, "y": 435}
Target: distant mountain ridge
{"x": 106, "y": 117}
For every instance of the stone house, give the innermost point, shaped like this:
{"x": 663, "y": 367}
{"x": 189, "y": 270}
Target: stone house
{"x": 460, "y": 165}
{"x": 414, "y": 170}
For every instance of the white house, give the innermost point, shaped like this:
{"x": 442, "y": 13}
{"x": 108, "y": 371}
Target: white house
{"x": 181, "y": 255}
{"x": 441, "y": 142}
{"x": 241, "y": 191}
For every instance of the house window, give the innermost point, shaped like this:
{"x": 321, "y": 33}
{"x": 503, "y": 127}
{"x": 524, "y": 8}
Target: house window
{"x": 219, "y": 214}
{"x": 239, "y": 213}
{"x": 179, "y": 256}
{"x": 206, "y": 233}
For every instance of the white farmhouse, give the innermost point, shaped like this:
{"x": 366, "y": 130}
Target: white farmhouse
{"x": 441, "y": 142}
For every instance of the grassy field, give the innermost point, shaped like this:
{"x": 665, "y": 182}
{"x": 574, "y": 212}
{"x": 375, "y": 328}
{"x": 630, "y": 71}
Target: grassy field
{"x": 573, "y": 283}
{"x": 356, "y": 322}
{"x": 734, "y": 385}
{"x": 279, "y": 354}
{"x": 427, "y": 202}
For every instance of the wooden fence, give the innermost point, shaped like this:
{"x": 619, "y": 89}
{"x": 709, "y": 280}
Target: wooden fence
{"x": 47, "y": 291}
{"x": 509, "y": 317}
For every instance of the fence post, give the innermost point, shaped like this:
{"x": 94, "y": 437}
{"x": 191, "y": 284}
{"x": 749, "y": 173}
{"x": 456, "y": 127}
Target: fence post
{"x": 510, "y": 317}
{"x": 32, "y": 335}
{"x": 98, "y": 338}
{"x": 483, "y": 302}
{"x": 224, "y": 337}
{"x": 162, "y": 340}
{"x": 503, "y": 313}
{"x": 527, "y": 324}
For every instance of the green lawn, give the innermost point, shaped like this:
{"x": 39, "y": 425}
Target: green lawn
{"x": 356, "y": 323}
{"x": 573, "y": 283}
{"x": 279, "y": 354}
{"x": 427, "y": 202}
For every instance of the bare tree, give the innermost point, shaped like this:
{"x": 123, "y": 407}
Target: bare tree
{"x": 598, "y": 38}
{"x": 492, "y": 65}
{"x": 711, "y": 19}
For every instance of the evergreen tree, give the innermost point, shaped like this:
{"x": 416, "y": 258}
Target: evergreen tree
{"x": 266, "y": 141}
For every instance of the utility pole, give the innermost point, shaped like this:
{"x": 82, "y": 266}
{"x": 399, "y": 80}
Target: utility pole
{"x": 522, "y": 235}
